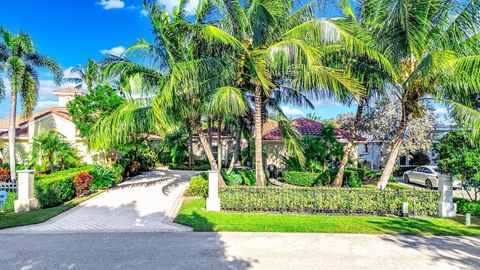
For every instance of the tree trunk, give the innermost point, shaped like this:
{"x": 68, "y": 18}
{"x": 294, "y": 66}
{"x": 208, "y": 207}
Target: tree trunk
{"x": 219, "y": 143}
{"x": 208, "y": 152}
{"x": 209, "y": 131}
{"x": 236, "y": 152}
{"x": 191, "y": 161}
{"x": 338, "y": 181}
{"x": 12, "y": 135}
{"x": 259, "y": 174}
{"x": 393, "y": 154}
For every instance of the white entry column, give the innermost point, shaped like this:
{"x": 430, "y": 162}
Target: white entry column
{"x": 26, "y": 198}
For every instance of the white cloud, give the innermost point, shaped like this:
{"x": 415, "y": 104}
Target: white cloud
{"x": 46, "y": 104}
{"x": 117, "y": 51}
{"x": 190, "y": 9}
{"x": 144, "y": 12}
{"x": 291, "y": 111}
{"x": 326, "y": 102}
{"x": 111, "y": 4}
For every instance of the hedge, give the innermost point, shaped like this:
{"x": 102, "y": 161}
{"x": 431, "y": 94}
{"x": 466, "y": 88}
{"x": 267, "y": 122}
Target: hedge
{"x": 465, "y": 206}
{"x": 198, "y": 186}
{"x": 174, "y": 166}
{"x": 328, "y": 200}
{"x": 304, "y": 179}
{"x": 8, "y": 205}
{"x": 57, "y": 188}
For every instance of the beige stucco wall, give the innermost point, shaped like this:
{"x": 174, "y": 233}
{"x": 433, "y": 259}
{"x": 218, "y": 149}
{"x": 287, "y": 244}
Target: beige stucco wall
{"x": 47, "y": 123}
{"x": 275, "y": 151}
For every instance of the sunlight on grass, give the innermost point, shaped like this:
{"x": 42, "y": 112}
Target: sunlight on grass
{"x": 193, "y": 214}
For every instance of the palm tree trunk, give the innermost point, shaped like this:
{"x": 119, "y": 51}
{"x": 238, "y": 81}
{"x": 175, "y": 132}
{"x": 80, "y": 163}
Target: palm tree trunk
{"x": 209, "y": 131}
{"x": 208, "y": 152}
{"x": 338, "y": 181}
{"x": 259, "y": 174}
{"x": 236, "y": 153}
{"x": 12, "y": 135}
{"x": 393, "y": 153}
{"x": 190, "y": 149}
{"x": 219, "y": 143}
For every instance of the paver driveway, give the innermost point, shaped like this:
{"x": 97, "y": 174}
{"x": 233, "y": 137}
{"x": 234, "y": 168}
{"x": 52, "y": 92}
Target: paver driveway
{"x": 143, "y": 203}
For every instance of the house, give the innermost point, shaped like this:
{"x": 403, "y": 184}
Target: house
{"x": 274, "y": 145}
{"x": 53, "y": 118}
{"x": 370, "y": 153}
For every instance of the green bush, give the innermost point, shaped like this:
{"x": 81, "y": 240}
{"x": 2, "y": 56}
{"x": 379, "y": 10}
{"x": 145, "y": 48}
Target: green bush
{"x": 329, "y": 200}
{"x": 353, "y": 177}
{"x": 7, "y": 205}
{"x": 117, "y": 171}
{"x": 198, "y": 186}
{"x": 56, "y": 188}
{"x": 304, "y": 179}
{"x": 239, "y": 177}
{"x": 326, "y": 177}
{"x": 102, "y": 178}
{"x": 465, "y": 206}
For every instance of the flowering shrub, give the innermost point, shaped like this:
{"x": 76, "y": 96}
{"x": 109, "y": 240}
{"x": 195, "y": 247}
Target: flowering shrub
{"x": 82, "y": 181}
{"x": 4, "y": 174}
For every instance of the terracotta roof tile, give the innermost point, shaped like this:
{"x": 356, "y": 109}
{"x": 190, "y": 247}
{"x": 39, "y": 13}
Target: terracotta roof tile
{"x": 307, "y": 127}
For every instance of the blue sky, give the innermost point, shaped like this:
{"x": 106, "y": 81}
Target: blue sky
{"x": 71, "y": 32}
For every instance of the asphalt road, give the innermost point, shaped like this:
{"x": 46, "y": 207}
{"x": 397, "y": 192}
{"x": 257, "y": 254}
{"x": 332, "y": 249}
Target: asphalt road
{"x": 235, "y": 251}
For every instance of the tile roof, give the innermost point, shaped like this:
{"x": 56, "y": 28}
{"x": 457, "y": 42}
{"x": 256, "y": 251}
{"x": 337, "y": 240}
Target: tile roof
{"x": 307, "y": 127}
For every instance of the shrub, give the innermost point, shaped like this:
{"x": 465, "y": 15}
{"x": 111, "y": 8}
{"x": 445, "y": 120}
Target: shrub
{"x": 305, "y": 179}
{"x": 8, "y": 205}
{"x": 239, "y": 177}
{"x": 353, "y": 178}
{"x": 117, "y": 171}
{"x": 82, "y": 182}
{"x": 198, "y": 186}
{"x": 4, "y": 174}
{"x": 56, "y": 188}
{"x": 329, "y": 200}
{"x": 326, "y": 177}
{"x": 465, "y": 206}
{"x": 102, "y": 178}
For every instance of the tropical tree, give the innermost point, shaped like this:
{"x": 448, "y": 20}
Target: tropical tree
{"x": 433, "y": 47}
{"x": 19, "y": 60}
{"x": 88, "y": 75}
{"x": 281, "y": 47}
{"x": 51, "y": 151}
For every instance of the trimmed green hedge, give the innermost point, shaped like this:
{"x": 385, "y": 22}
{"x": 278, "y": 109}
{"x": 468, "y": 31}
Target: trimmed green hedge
{"x": 465, "y": 206}
{"x": 198, "y": 186}
{"x": 304, "y": 179}
{"x": 328, "y": 200}
{"x": 173, "y": 166}
{"x": 57, "y": 188}
{"x": 8, "y": 205}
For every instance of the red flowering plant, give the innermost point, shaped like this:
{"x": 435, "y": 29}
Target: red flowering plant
{"x": 82, "y": 181}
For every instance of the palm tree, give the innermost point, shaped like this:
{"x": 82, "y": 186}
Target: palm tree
{"x": 18, "y": 58}
{"x": 51, "y": 150}
{"x": 87, "y": 75}
{"x": 185, "y": 76}
{"x": 434, "y": 48}
{"x": 280, "y": 48}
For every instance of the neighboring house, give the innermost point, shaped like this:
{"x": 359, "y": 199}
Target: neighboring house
{"x": 370, "y": 153}
{"x": 274, "y": 145}
{"x": 228, "y": 142}
{"x": 53, "y": 118}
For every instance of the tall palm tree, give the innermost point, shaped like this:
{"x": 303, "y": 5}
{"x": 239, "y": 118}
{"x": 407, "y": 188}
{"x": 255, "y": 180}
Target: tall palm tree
{"x": 19, "y": 59}
{"x": 281, "y": 46}
{"x": 434, "y": 48}
{"x": 88, "y": 75}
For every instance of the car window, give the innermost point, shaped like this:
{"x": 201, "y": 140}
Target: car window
{"x": 419, "y": 169}
{"x": 427, "y": 170}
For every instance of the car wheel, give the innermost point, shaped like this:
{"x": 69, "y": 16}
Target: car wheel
{"x": 428, "y": 184}
{"x": 406, "y": 179}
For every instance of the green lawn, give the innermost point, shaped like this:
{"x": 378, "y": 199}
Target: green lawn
{"x": 193, "y": 214}
{"x": 8, "y": 220}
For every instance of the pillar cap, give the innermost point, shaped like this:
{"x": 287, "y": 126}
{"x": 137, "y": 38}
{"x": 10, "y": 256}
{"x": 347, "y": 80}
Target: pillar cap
{"x": 25, "y": 171}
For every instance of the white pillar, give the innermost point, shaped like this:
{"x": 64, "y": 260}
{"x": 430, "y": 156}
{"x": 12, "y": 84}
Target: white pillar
{"x": 213, "y": 201}
{"x": 446, "y": 206}
{"x": 26, "y": 199}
